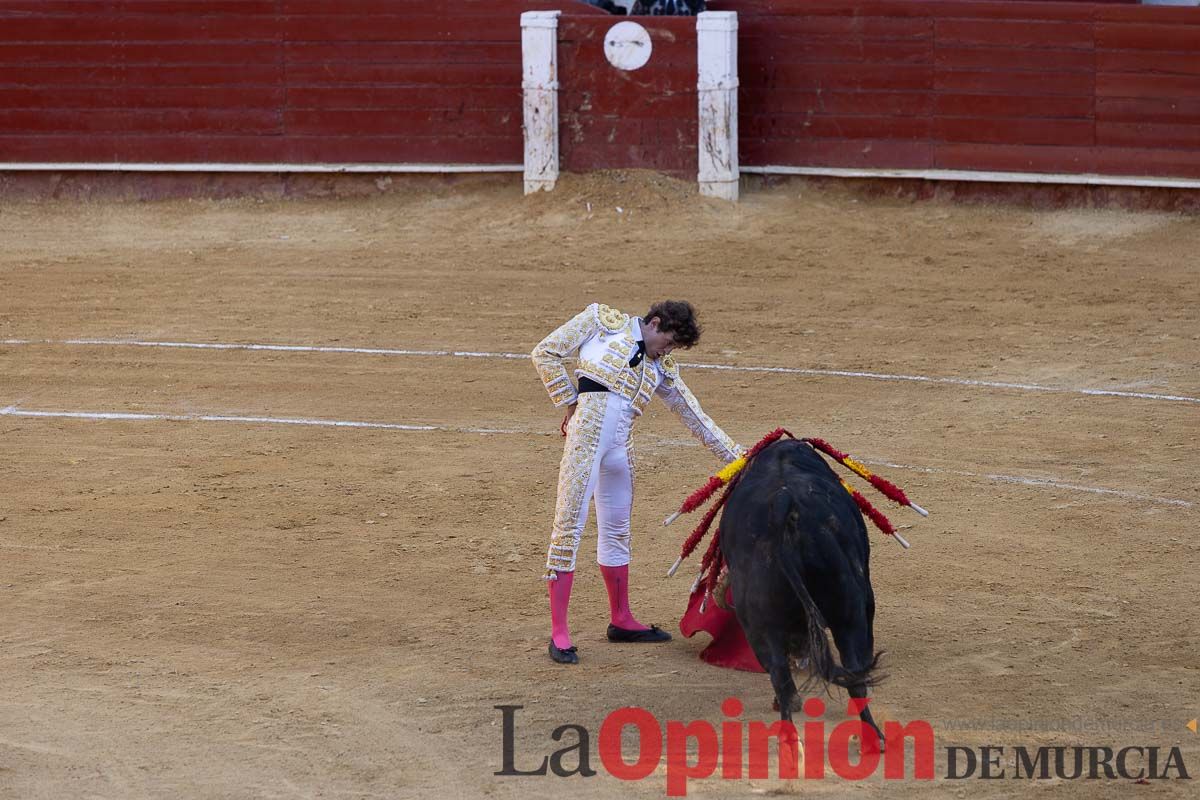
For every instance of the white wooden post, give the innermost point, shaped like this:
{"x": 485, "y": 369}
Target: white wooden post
{"x": 539, "y": 59}
{"x": 716, "y": 85}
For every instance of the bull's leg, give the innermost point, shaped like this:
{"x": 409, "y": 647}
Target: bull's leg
{"x": 784, "y": 685}
{"x": 780, "y": 669}
{"x": 771, "y": 651}
{"x": 854, "y": 647}
{"x": 855, "y": 650}
{"x": 859, "y": 691}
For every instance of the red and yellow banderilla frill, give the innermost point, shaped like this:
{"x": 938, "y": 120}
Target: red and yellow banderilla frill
{"x": 713, "y": 561}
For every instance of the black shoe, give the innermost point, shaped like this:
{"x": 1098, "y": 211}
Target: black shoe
{"x": 655, "y": 634}
{"x": 563, "y": 656}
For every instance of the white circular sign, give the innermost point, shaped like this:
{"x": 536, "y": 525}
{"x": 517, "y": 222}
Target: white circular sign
{"x": 627, "y": 45}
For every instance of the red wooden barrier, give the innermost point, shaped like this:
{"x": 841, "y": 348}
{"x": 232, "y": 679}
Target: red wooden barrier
{"x": 1064, "y": 87}
{"x": 611, "y": 118}
{"x": 275, "y": 81}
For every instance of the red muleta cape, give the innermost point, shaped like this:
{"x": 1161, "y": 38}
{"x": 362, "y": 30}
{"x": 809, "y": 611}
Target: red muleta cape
{"x": 729, "y": 647}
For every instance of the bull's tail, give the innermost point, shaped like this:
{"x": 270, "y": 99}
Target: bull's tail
{"x": 823, "y": 666}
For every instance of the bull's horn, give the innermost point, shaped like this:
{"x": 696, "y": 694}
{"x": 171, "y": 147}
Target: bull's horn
{"x": 918, "y": 509}
{"x": 901, "y": 540}
{"x": 671, "y": 518}
{"x": 674, "y": 567}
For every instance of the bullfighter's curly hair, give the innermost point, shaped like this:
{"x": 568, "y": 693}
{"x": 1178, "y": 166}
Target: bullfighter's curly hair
{"x": 677, "y": 317}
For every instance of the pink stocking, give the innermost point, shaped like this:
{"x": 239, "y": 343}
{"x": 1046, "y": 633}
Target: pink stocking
{"x": 617, "y": 581}
{"x": 560, "y": 598}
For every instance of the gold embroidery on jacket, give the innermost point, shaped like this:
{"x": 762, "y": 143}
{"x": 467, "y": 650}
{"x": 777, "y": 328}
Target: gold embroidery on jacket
{"x": 574, "y": 473}
{"x": 679, "y": 398}
{"x": 549, "y": 353}
{"x": 611, "y": 318}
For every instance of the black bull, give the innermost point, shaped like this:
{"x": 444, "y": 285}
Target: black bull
{"x": 799, "y": 562}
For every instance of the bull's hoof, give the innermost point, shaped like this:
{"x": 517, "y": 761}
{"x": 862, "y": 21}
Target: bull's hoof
{"x": 566, "y": 656}
{"x": 655, "y": 634}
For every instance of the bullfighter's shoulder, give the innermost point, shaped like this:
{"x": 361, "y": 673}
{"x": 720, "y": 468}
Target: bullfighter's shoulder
{"x": 610, "y": 319}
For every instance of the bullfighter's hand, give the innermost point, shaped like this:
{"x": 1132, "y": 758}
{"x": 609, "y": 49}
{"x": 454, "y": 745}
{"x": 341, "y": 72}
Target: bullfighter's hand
{"x": 570, "y": 412}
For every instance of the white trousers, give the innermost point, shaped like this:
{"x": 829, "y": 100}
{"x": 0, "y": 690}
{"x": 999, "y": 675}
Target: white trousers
{"x": 597, "y": 465}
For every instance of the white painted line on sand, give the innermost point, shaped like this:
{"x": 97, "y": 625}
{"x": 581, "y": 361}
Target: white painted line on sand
{"x": 1025, "y": 387}
{"x": 283, "y": 348}
{"x": 14, "y": 411}
{"x": 1049, "y": 483}
{"x": 121, "y": 416}
{"x": 833, "y": 373}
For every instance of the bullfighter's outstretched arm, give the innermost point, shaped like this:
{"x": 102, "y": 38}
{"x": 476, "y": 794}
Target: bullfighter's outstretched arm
{"x": 562, "y": 342}
{"x": 679, "y": 398}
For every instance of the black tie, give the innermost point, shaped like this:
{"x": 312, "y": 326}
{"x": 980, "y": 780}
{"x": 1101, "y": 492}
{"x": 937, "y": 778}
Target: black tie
{"x": 637, "y": 357}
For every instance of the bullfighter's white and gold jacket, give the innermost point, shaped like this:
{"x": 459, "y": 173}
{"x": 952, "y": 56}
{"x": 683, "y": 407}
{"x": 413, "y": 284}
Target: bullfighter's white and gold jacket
{"x": 605, "y": 340}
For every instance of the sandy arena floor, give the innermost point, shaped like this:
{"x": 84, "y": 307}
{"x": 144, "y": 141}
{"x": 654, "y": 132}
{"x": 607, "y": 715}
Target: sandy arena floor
{"x": 203, "y": 608}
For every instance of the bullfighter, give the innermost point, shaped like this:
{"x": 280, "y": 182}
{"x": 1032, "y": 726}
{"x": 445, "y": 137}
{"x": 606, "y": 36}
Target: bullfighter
{"x": 623, "y": 362}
